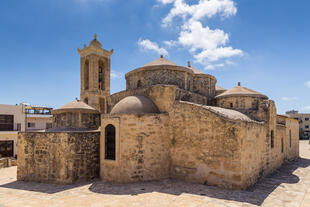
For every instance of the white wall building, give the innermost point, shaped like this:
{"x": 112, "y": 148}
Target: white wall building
{"x": 22, "y": 117}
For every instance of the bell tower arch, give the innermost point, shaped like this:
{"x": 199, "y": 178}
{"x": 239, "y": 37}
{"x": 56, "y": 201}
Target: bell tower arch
{"x": 95, "y": 64}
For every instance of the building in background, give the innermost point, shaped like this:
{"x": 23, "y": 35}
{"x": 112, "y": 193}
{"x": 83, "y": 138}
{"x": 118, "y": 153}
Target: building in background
{"x": 22, "y": 117}
{"x": 304, "y": 123}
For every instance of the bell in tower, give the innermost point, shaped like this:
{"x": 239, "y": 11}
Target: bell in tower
{"x": 95, "y": 74}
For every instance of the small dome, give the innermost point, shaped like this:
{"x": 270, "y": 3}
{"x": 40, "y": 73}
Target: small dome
{"x": 75, "y": 105}
{"x": 95, "y": 42}
{"x": 160, "y": 61}
{"x": 219, "y": 88}
{"x": 241, "y": 91}
{"x": 195, "y": 71}
{"x": 135, "y": 105}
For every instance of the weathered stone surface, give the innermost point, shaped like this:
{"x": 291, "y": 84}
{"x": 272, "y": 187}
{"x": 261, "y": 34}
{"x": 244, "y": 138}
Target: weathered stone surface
{"x": 58, "y": 157}
{"x": 76, "y": 120}
{"x": 142, "y": 148}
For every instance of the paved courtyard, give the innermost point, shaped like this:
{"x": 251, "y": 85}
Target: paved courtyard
{"x": 289, "y": 186}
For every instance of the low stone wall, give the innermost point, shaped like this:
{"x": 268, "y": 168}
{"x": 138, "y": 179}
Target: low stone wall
{"x": 58, "y": 157}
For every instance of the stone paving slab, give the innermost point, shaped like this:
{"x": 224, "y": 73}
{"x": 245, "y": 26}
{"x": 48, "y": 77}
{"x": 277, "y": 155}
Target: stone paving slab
{"x": 288, "y": 187}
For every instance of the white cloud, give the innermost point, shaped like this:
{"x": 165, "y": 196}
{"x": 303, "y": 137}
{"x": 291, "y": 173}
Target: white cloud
{"x": 204, "y": 8}
{"x": 114, "y": 74}
{"x": 209, "y": 44}
{"x": 210, "y": 66}
{"x": 170, "y": 43}
{"x": 152, "y": 46}
{"x": 289, "y": 98}
{"x": 307, "y": 108}
{"x": 195, "y": 36}
{"x": 165, "y": 1}
{"x": 308, "y": 84}
{"x": 209, "y": 47}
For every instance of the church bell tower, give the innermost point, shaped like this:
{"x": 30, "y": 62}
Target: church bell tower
{"x": 95, "y": 74}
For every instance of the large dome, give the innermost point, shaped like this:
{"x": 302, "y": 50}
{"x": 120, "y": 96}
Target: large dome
{"x": 160, "y": 61}
{"x": 135, "y": 105}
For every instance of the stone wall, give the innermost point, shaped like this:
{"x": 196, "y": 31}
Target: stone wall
{"x": 206, "y": 147}
{"x": 183, "y": 78}
{"x": 292, "y": 138}
{"x": 204, "y": 84}
{"x": 239, "y": 102}
{"x": 58, "y": 157}
{"x": 163, "y": 96}
{"x": 255, "y": 107}
{"x": 76, "y": 120}
{"x": 142, "y": 148}
{"x": 153, "y": 75}
{"x": 253, "y": 147}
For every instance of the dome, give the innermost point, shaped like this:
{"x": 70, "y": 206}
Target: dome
{"x": 75, "y": 105}
{"x": 241, "y": 91}
{"x": 160, "y": 61}
{"x": 95, "y": 42}
{"x": 135, "y": 105}
{"x": 219, "y": 88}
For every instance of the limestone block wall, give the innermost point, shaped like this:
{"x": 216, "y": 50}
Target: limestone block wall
{"x": 204, "y": 84}
{"x": 207, "y": 147}
{"x": 183, "y": 95}
{"x": 58, "y": 157}
{"x": 142, "y": 148}
{"x": 253, "y": 147}
{"x": 292, "y": 138}
{"x": 153, "y": 75}
{"x": 163, "y": 96}
{"x": 255, "y": 107}
{"x": 240, "y": 102}
{"x": 76, "y": 120}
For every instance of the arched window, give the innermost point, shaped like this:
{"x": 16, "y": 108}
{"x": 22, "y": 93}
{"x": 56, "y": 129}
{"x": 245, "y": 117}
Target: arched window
{"x": 110, "y": 142}
{"x": 231, "y": 105}
{"x": 282, "y": 145}
{"x": 86, "y": 75}
{"x": 101, "y": 76}
{"x": 139, "y": 84}
{"x": 86, "y": 100}
{"x": 272, "y": 139}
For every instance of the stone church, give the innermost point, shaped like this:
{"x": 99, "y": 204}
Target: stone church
{"x": 171, "y": 122}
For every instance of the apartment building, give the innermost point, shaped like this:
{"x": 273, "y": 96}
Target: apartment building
{"x": 304, "y": 123}
{"x": 22, "y": 117}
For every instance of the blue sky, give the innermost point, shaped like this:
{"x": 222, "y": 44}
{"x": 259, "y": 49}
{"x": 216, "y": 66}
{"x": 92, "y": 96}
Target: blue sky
{"x": 261, "y": 43}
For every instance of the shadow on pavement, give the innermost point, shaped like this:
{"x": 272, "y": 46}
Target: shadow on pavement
{"x": 42, "y": 187}
{"x": 253, "y": 195}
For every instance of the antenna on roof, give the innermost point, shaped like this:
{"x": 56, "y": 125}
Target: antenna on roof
{"x": 239, "y": 84}
{"x": 189, "y": 64}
